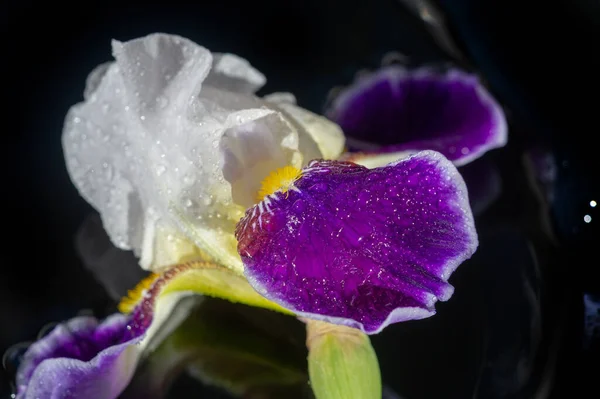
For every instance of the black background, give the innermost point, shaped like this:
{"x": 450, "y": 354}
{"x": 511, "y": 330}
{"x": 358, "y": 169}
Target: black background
{"x": 540, "y": 58}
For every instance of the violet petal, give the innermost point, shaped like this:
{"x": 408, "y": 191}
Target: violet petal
{"x": 86, "y": 359}
{"x": 361, "y": 247}
{"x": 80, "y": 359}
{"x": 422, "y": 109}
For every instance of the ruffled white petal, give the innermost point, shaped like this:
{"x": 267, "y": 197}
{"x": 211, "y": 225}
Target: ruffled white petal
{"x": 233, "y": 73}
{"x": 155, "y": 148}
{"x": 327, "y": 135}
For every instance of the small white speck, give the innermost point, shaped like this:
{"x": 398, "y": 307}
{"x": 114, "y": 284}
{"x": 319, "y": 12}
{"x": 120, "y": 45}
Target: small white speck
{"x": 593, "y": 203}
{"x": 587, "y": 218}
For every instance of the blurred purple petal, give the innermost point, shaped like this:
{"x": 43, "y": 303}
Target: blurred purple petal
{"x": 80, "y": 359}
{"x": 86, "y": 359}
{"x": 361, "y": 247}
{"x": 591, "y": 304}
{"x": 410, "y": 110}
{"x": 484, "y": 183}
{"x": 544, "y": 171}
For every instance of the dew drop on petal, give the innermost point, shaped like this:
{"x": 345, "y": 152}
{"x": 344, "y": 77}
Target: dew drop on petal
{"x": 162, "y": 101}
{"x": 160, "y": 169}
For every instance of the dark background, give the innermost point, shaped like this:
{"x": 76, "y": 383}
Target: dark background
{"x": 540, "y": 58}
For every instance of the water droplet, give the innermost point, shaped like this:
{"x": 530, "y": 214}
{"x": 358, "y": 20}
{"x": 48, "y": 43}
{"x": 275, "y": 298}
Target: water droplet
{"x": 593, "y": 203}
{"x": 464, "y": 151}
{"x": 208, "y": 200}
{"x": 162, "y": 101}
{"x": 587, "y": 218}
{"x": 188, "y": 180}
{"x": 77, "y": 120}
{"x": 142, "y": 117}
{"x": 188, "y": 203}
{"x": 160, "y": 169}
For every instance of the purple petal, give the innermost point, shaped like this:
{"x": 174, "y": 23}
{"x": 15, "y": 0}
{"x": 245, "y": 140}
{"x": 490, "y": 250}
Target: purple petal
{"x": 361, "y": 247}
{"x": 84, "y": 359}
{"x": 80, "y": 359}
{"x": 422, "y": 110}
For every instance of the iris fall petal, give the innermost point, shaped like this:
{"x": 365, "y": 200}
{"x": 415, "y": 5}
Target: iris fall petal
{"x": 361, "y": 247}
{"x": 80, "y": 359}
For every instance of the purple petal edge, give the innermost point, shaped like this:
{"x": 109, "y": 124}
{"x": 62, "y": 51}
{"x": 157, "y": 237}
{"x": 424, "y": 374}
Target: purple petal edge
{"x": 361, "y": 247}
{"x": 412, "y": 110}
{"x": 79, "y": 358}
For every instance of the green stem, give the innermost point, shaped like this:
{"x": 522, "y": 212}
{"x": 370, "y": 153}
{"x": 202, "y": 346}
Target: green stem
{"x": 341, "y": 362}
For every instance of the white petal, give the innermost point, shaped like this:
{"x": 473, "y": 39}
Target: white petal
{"x": 161, "y": 73}
{"x": 376, "y": 160}
{"x": 232, "y": 73}
{"x": 326, "y": 134}
{"x": 153, "y": 149}
{"x": 280, "y": 97}
{"x": 94, "y": 78}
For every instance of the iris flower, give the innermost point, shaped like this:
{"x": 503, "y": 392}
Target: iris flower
{"x": 253, "y": 200}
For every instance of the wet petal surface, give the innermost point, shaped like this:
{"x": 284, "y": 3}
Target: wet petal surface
{"x": 361, "y": 247}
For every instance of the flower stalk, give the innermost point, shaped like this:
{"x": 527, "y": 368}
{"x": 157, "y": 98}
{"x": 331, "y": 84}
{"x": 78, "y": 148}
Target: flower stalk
{"x": 341, "y": 362}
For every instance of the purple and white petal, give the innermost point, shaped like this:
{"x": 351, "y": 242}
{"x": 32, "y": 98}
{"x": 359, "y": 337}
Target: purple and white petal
{"x": 410, "y": 110}
{"x": 83, "y": 358}
{"x": 361, "y": 247}
{"x": 80, "y": 359}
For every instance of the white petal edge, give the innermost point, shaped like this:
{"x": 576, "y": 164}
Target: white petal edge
{"x": 232, "y": 73}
